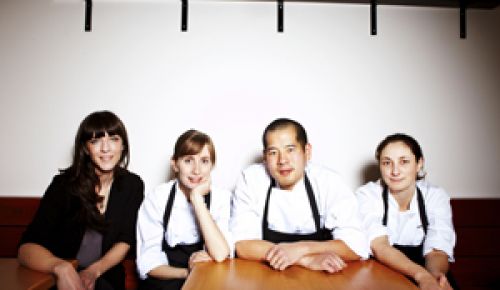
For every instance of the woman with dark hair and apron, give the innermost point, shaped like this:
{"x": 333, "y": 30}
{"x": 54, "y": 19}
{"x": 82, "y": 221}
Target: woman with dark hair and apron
{"x": 408, "y": 221}
{"x": 183, "y": 221}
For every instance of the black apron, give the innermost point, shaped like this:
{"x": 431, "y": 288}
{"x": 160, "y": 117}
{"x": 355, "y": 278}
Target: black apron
{"x": 415, "y": 253}
{"x": 177, "y": 256}
{"x": 278, "y": 237}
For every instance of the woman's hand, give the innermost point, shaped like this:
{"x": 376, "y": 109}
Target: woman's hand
{"x": 197, "y": 257}
{"x": 443, "y": 281}
{"x": 67, "y": 277}
{"x": 427, "y": 281}
{"x": 88, "y": 277}
{"x": 201, "y": 190}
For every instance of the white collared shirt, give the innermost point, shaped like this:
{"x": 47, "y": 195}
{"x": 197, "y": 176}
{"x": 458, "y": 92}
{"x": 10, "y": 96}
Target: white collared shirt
{"x": 290, "y": 211}
{"x": 182, "y": 227}
{"x": 405, "y": 228}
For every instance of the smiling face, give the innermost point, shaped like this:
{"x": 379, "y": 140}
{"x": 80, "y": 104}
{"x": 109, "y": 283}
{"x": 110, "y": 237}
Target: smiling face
{"x": 399, "y": 167}
{"x": 285, "y": 158}
{"x": 191, "y": 170}
{"x": 105, "y": 152}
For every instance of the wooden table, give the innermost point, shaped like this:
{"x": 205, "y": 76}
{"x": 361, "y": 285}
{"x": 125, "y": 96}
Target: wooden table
{"x": 13, "y": 276}
{"x": 247, "y": 275}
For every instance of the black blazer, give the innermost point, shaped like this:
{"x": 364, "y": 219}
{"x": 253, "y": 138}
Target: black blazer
{"x": 56, "y": 228}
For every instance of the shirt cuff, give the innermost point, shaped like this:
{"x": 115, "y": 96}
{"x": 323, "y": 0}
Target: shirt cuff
{"x": 356, "y": 241}
{"x": 435, "y": 244}
{"x": 148, "y": 262}
{"x": 375, "y": 233}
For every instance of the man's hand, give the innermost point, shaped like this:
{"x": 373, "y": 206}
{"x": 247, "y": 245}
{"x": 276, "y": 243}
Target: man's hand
{"x": 328, "y": 261}
{"x": 283, "y": 255}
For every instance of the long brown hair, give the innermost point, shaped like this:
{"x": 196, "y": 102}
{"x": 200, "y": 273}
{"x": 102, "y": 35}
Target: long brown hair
{"x": 82, "y": 176}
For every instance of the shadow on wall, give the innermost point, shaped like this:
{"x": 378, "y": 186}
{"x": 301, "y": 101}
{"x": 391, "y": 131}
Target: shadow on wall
{"x": 369, "y": 172}
{"x": 256, "y": 158}
{"x": 170, "y": 173}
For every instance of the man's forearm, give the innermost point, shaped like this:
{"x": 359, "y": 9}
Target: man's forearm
{"x": 337, "y": 246}
{"x": 253, "y": 249}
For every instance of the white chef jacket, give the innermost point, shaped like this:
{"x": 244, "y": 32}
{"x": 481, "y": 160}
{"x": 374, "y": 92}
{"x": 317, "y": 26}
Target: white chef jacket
{"x": 290, "y": 211}
{"x": 182, "y": 227}
{"x": 405, "y": 227}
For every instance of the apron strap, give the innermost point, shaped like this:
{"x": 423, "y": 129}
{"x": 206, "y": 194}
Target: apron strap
{"x": 265, "y": 224}
{"x": 385, "y": 198}
{"x": 421, "y": 208}
{"x": 312, "y": 204}
{"x": 168, "y": 212}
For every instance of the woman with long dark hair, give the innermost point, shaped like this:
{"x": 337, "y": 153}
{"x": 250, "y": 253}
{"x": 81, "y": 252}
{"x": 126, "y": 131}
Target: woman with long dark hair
{"x": 88, "y": 212}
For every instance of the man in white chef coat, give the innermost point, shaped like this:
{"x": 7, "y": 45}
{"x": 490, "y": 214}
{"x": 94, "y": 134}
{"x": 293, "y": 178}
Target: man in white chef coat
{"x": 287, "y": 211}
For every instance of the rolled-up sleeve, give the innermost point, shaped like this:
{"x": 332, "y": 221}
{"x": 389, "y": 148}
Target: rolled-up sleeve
{"x": 345, "y": 219}
{"x": 371, "y": 211}
{"x": 221, "y": 213}
{"x": 245, "y": 223}
{"x": 440, "y": 234}
{"x": 150, "y": 232}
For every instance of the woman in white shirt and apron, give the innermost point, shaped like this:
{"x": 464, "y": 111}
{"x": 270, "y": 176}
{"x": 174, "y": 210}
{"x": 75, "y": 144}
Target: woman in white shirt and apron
{"x": 408, "y": 221}
{"x": 185, "y": 220}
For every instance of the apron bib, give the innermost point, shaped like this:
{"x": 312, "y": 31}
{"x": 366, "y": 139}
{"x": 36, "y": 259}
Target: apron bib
{"x": 321, "y": 234}
{"x": 177, "y": 256}
{"x": 415, "y": 253}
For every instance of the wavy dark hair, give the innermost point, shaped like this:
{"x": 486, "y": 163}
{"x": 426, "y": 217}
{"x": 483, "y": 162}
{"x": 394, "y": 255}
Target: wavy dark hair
{"x": 406, "y": 139}
{"x": 83, "y": 179}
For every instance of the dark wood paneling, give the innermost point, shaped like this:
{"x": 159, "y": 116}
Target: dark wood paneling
{"x": 477, "y": 252}
{"x": 17, "y": 211}
{"x": 15, "y": 214}
{"x": 476, "y": 212}
{"x": 482, "y": 272}
{"x": 484, "y": 241}
{"x": 10, "y": 237}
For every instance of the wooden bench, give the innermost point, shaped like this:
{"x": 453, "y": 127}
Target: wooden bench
{"x": 15, "y": 215}
{"x": 477, "y": 254}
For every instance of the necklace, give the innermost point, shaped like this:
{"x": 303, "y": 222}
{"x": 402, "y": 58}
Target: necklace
{"x": 104, "y": 193}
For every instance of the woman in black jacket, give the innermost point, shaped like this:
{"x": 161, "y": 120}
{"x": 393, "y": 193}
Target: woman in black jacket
{"x": 88, "y": 212}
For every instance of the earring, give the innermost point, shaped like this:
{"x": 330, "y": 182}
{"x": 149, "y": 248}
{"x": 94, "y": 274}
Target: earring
{"x": 421, "y": 173}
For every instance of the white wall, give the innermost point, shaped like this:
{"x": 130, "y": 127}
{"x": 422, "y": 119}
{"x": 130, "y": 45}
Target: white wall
{"x": 232, "y": 73}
